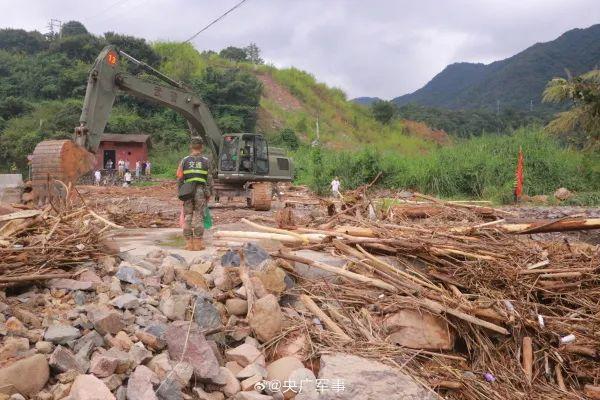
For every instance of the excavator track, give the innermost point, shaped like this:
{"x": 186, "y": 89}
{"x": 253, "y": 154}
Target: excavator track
{"x": 57, "y": 160}
{"x": 261, "y": 196}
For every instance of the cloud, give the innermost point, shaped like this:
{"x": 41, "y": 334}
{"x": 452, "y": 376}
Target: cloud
{"x": 379, "y": 48}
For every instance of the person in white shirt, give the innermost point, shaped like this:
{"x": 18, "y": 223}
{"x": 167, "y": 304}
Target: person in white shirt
{"x": 127, "y": 178}
{"x": 121, "y": 168}
{"x": 335, "y": 187}
{"x": 97, "y": 177}
{"x": 148, "y": 167}
{"x": 138, "y": 168}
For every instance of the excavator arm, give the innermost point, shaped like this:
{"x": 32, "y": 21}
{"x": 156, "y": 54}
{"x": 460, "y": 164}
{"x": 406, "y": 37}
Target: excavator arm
{"x": 106, "y": 80}
{"x": 66, "y": 160}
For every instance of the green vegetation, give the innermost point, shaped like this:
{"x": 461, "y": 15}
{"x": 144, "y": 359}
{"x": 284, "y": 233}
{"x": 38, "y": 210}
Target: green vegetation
{"x": 584, "y": 116}
{"x": 481, "y": 167}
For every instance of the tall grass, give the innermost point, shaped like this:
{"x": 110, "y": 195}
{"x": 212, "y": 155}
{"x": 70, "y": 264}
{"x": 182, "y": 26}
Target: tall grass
{"x": 481, "y": 167}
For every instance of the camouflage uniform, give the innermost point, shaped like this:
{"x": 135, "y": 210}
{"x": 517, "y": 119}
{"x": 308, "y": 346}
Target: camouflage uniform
{"x": 195, "y": 168}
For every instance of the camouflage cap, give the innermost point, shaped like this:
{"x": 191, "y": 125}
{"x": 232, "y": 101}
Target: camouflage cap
{"x": 196, "y": 141}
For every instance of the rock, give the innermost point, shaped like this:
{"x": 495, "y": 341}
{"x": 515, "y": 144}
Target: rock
{"x": 419, "y": 330}
{"x": 233, "y": 367}
{"x": 140, "y": 384}
{"x": 127, "y": 273}
{"x": 103, "y": 366}
{"x": 115, "y": 286}
{"x": 44, "y": 347}
{"x": 251, "y": 370}
{"x": 121, "y": 393}
{"x": 202, "y": 395}
{"x": 108, "y": 263}
{"x": 27, "y": 376}
{"x": 563, "y": 194}
{"x": 305, "y": 384}
{"x": 153, "y": 336}
{"x": 250, "y": 383}
{"x": 63, "y": 359}
{"x": 17, "y": 396}
{"x": 254, "y": 255}
{"x": 113, "y": 382}
{"x": 228, "y": 382}
{"x": 266, "y": 318}
{"x": 259, "y": 288}
{"x": 27, "y": 317}
{"x": 106, "y": 320}
{"x": 170, "y": 389}
{"x": 175, "y": 306}
{"x": 168, "y": 275}
{"x": 89, "y": 276}
{"x": 174, "y": 260}
{"x": 206, "y": 315}
{"x": 84, "y": 346}
{"x": 272, "y": 278}
{"x": 138, "y": 354}
{"x": 193, "y": 279}
{"x": 121, "y": 341}
{"x": 365, "y": 379}
{"x": 236, "y": 306}
{"x": 88, "y": 387}
{"x": 160, "y": 365}
{"x": 222, "y": 278}
{"x": 15, "y": 327}
{"x": 67, "y": 377}
{"x": 251, "y": 396}
{"x": 197, "y": 352}
{"x": 13, "y": 347}
{"x": 280, "y": 370}
{"x": 125, "y": 301}
{"x": 61, "y": 334}
{"x": 60, "y": 390}
{"x": 123, "y": 361}
{"x": 308, "y": 272}
{"x": 201, "y": 267}
{"x": 245, "y": 354}
{"x": 69, "y": 284}
{"x": 183, "y": 372}
{"x": 230, "y": 259}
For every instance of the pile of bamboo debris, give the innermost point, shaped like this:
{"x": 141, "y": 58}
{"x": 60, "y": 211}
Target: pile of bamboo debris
{"x": 525, "y": 312}
{"x": 45, "y": 244}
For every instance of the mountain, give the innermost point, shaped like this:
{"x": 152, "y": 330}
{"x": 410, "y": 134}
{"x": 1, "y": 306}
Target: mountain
{"x": 365, "y": 101}
{"x": 514, "y": 82}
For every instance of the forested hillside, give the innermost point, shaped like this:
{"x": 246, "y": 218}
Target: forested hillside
{"x": 43, "y": 78}
{"x": 514, "y": 83}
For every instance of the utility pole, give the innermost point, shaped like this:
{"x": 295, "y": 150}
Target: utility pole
{"x": 55, "y": 23}
{"x": 318, "y": 138}
{"x": 497, "y": 107}
{"x": 531, "y": 105}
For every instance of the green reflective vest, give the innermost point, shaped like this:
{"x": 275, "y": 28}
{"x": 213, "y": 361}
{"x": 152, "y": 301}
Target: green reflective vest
{"x": 195, "y": 169}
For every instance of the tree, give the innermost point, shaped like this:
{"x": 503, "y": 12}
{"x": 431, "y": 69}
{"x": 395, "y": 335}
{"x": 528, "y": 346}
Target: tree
{"x": 383, "y": 111}
{"x": 11, "y": 107}
{"x": 584, "y": 93}
{"x": 288, "y": 137}
{"x": 73, "y": 28}
{"x": 234, "y": 54}
{"x": 253, "y": 54}
{"x": 19, "y": 40}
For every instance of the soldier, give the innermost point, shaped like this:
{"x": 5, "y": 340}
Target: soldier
{"x": 194, "y": 169}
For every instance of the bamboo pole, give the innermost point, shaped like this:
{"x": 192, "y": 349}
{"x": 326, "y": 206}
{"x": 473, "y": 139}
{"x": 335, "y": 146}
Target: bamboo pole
{"x": 303, "y": 238}
{"x": 313, "y": 238}
{"x": 528, "y": 358}
{"x": 338, "y": 271}
{"x": 544, "y": 226}
{"x": 329, "y": 323}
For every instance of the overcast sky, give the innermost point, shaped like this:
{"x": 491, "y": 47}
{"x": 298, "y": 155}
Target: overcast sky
{"x": 382, "y": 48}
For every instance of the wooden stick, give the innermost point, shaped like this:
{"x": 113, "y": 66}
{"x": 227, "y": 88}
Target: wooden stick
{"x": 581, "y": 350}
{"x": 559, "y": 275}
{"x": 107, "y": 222}
{"x": 313, "y": 238}
{"x": 439, "y": 308}
{"x": 543, "y": 226}
{"x": 559, "y": 377}
{"x": 338, "y": 271}
{"x": 528, "y": 358}
{"x": 329, "y": 323}
{"x": 593, "y": 392}
{"x": 303, "y": 238}
{"x": 33, "y": 277}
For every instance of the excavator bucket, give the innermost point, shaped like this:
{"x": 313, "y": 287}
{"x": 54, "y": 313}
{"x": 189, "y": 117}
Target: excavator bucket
{"x": 57, "y": 160}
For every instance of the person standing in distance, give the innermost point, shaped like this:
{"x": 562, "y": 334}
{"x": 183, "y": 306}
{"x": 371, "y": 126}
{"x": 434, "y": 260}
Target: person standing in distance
{"x": 194, "y": 169}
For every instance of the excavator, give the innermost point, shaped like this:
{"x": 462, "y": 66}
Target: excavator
{"x": 243, "y": 163}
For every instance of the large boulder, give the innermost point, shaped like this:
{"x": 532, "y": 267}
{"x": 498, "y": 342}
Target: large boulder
{"x": 196, "y": 351}
{"x": 355, "y": 378}
{"x": 27, "y": 376}
{"x": 419, "y": 330}
{"x": 266, "y": 318}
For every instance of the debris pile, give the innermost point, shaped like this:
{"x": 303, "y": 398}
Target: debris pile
{"x": 473, "y": 309}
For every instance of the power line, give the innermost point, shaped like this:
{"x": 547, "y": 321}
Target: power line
{"x": 216, "y": 20}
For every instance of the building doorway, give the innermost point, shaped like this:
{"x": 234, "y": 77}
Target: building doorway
{"x": 109, "y": 155}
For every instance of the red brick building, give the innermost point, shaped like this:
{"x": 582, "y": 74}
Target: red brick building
{"x": 115, "y": 147}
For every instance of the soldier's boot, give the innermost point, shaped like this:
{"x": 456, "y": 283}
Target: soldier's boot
{"x": 189, "y": 244}
{"x": 198, "y": 244}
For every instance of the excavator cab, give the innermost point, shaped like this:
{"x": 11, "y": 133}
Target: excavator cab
{"x": 245, "y": 154}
